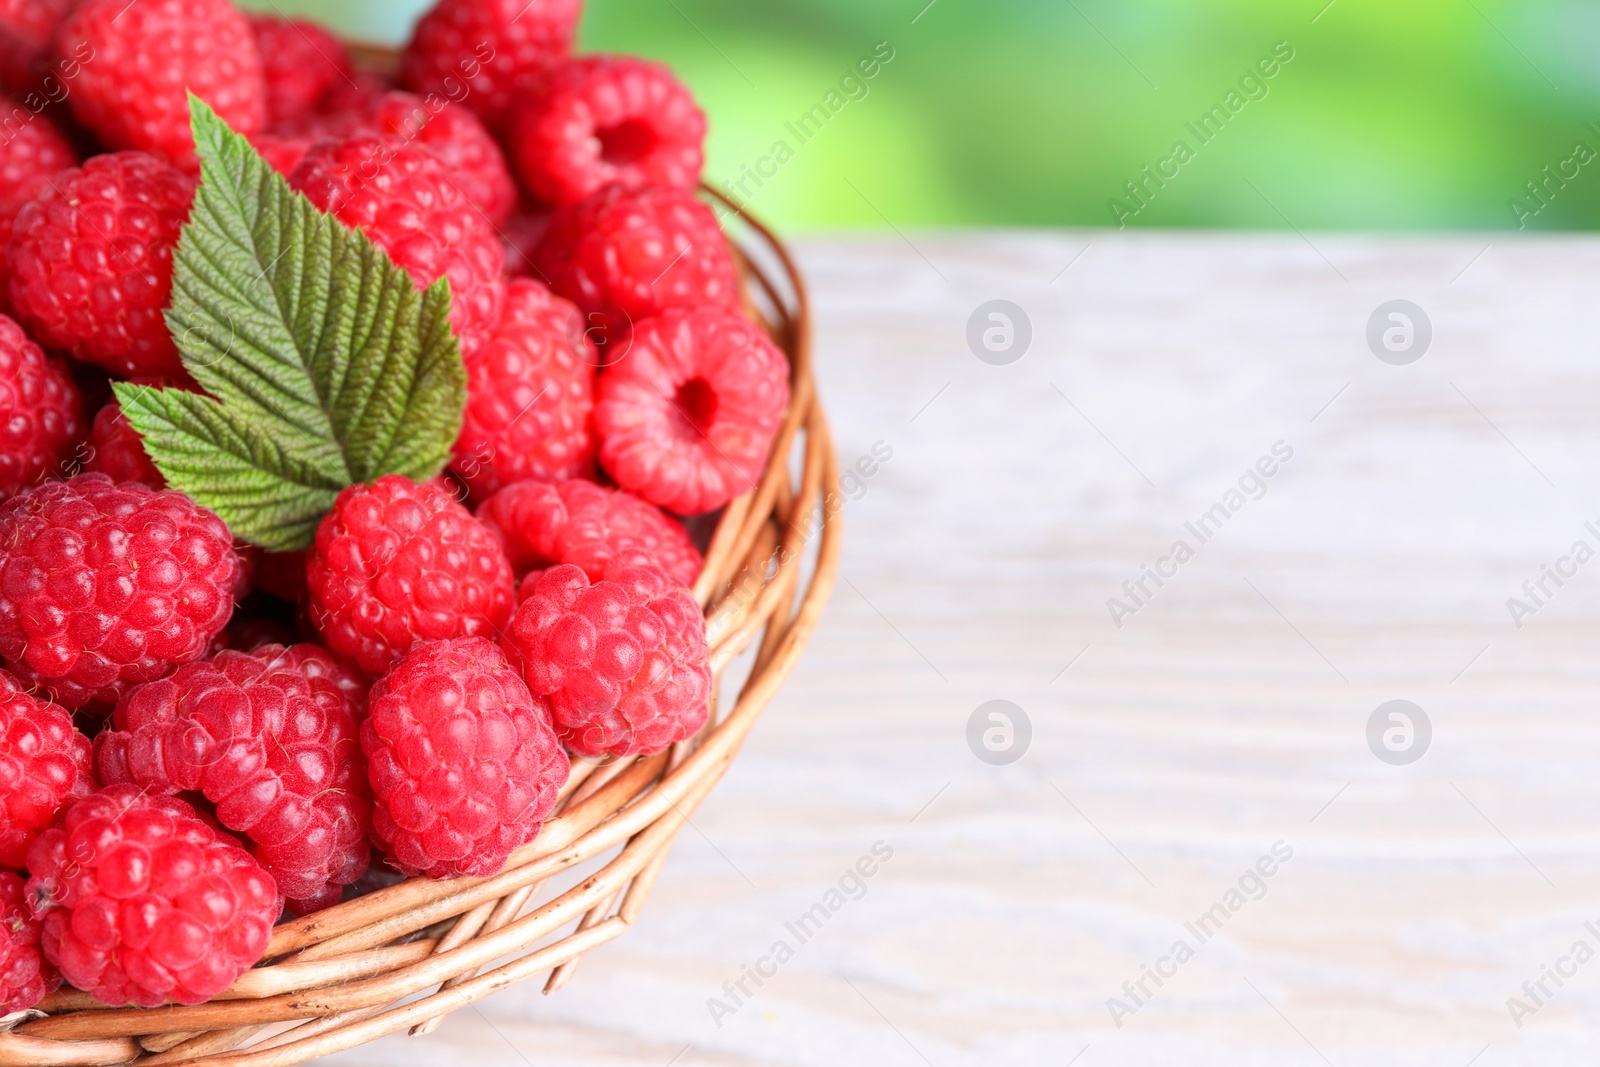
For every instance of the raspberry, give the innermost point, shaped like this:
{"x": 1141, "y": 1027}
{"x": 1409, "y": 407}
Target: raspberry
{"x": 25, "y": 975}
{"x": 602, "y": 119}
{"x": 626, "y": 254}
{"x": 495, "y": 48}
{"x": 143, "y": 903}
{"x": 623, "y": 662}
{"x": 589, "y": 526}
{"x": 300, "y": 63}
{"x": 402, "y": 197}
{"x": 530, "y": 393}
{"x": 104, "y": 586}
{"x": 396, "y": 564}
{"x": 91, "y": 262}
{"x": 44, "y": 766}
{"x": 27, "y": 29}
{"x": 268, "y": 736}
{"x": 117, "y": 451}
{"x": 687, "y": 420}
{"x": 455, "y": 136}
{"x": 41, "y": 411}
{"x": 34, "y": 152}
{"x": 463, "y": 762}
{"x": 148, "y": 57}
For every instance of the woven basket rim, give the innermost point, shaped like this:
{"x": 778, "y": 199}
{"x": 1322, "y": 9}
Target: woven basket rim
{"x": 337, "y": 977}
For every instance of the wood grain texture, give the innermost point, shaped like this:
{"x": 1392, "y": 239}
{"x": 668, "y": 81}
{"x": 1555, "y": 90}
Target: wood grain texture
{"x": 1227, "y": 715}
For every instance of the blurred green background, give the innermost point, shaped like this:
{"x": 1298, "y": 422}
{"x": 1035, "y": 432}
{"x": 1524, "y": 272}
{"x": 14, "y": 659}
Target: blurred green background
{"x": 1391, "y": 114}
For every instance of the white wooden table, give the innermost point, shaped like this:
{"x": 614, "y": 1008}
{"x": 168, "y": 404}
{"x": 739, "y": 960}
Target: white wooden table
{"x": 1227, "y": 715}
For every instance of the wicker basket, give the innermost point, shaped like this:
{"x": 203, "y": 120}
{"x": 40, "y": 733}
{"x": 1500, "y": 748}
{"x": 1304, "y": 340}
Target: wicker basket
{"x": 336, "y": 979}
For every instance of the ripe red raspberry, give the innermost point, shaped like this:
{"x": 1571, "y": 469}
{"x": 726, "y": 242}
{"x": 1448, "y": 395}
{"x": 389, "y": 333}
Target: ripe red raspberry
{"x": 117, "y": 451}
{"x": 589, "y": 526}
{"x": 91, "y": 262}
{"x": 530, "y": 393}
{"x": 456, "y": 136}
{"x": 396, "y": 564}
{"x": 41, "y": 411}
{"x": 627, "y": 254}
{"x": 623, "y": 662}
{"x": 402, "y": 197}
{"x": 463, "y": 762}
{"x": 491, "y": 48}
{"x": 687, "y": 419}
{"x": 104, "y": 586}
{"x": 25, "y": 975}
{"x": 44, "y": 766}
{"x": 143, "y": 903}
{"x": 602, "y": 119}
{"x": 268, "y": 736}
{"x": 300, "y": 62}
{"x": 27, "y": 30}
{"x": 35, "y": 151}
{"x": 148, "y": 57}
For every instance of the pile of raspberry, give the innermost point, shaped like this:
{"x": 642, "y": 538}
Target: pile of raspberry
{"x": 197, "y": 735}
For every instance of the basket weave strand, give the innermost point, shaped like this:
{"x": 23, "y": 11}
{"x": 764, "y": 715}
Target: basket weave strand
{"x": 336, "y": 978}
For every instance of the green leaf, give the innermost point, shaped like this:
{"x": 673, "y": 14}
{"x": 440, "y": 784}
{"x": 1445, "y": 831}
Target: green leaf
{"x": 256, "y": 482}
{"x": 323, "y": 363}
